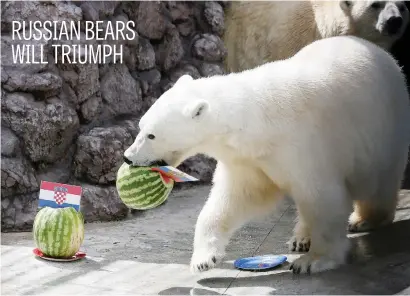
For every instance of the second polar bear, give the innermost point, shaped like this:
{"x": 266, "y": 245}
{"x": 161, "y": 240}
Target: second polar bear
{"x": 263, "y": 31}
{"x": 327, "y": 127}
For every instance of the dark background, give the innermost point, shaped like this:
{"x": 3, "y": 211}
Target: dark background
{"x": 401, "y": 50}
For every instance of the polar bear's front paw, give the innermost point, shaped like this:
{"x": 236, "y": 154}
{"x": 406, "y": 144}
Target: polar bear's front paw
{"x": 310, "y": 263}
{"x": 204, "y": 260}
{"x": 300, "y": 241}
{"x": 299, "y": 244}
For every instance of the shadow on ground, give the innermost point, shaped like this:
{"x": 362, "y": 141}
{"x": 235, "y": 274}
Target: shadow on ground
{"x": 380, "y": 264}
{"x": 149, "y": 254}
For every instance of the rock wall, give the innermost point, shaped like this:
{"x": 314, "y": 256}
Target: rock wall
{"x": 70, "y": 123}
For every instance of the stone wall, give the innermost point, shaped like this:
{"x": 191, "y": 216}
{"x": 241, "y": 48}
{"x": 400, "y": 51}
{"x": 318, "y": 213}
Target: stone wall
{"x": 70, "y": 123}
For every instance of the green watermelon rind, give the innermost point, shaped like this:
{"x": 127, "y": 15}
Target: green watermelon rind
{"x": 58, "y": 233}
{"x": 134, "y": 195}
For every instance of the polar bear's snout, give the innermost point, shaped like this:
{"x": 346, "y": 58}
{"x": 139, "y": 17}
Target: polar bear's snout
{"x": 393, "y": 19}
{"x": 394, "y": 24}
{"x": 140, "y": 153}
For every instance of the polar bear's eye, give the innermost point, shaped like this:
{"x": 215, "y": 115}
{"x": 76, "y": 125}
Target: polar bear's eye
{"x": 151, "y": 136}
{"x": 402, "y": 8}
{"x": 376, "y": 5}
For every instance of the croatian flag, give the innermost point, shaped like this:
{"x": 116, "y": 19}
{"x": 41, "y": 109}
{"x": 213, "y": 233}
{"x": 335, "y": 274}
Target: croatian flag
{"x": 57, "y": 195}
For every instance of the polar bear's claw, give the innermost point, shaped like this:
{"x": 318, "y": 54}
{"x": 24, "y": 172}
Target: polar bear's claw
{"x": 299, "y": 244}
{"x": 204, "y": 263}
{"x": 310, "y": 263}
{"x": 384, "y": 217}
{"x": 296, "y": 269}
{"x": 360, "y": 226}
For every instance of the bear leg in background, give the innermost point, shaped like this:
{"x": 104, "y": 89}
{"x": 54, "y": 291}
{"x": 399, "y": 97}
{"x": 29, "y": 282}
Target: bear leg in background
{"x": 378, "y": 208}
{"x": 368, "y": 215}
{"x": 235, "y": 199}
{"x": 300, "y": 242}
{"x": 376, "y": 211}
{"x": 325, "y": 210}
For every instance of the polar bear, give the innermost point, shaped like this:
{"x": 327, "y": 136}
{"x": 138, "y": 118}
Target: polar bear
{"x": 327, "y": 127}
{"x": 257, "y": 32}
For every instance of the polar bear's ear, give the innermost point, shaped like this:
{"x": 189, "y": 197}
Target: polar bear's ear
{"x": 346, "y": 5}
{"x": 184, "y": 78}
{"x": 196, "y": 109}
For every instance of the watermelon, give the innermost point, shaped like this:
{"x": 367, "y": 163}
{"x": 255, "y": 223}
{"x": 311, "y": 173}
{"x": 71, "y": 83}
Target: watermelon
{"x": 141, "y": 188}
{"x": 58, "y": 232}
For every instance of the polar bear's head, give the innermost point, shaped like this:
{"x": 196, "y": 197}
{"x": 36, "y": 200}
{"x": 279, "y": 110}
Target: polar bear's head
{"x": 172, "y": 128}
{"x": 382, "y": 22}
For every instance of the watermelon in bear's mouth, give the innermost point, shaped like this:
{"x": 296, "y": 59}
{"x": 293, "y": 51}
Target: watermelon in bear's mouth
{"x": 142, "y": 188}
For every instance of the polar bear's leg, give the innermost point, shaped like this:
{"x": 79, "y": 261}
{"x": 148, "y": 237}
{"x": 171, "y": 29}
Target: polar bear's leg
{"x": 378, "y": 208}
{"x": 325, "y": 209}
{"x": 369, "y": 215}
{"x": 375, "y": 212}
{"x": 300, "y": 241}
{"x": 238, "y": 195}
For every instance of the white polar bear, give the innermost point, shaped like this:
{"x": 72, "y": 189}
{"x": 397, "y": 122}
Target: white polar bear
{"x": 327, "y": 127}
{"x": 257, "y": 32}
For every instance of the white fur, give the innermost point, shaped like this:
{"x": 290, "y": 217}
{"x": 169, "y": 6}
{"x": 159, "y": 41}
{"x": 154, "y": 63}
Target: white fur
{"x": 257, "y": 32}
{"x": 326, "y": 127}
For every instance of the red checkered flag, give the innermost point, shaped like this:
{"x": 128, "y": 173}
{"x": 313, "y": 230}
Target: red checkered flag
{"x": 57, "y": 195}
{"x": 60, "y": 194}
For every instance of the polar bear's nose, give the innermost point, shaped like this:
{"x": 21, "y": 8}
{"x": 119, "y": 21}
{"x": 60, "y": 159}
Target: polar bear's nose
{"x": 127, "y": 161}
{"x": 394, "y": 24}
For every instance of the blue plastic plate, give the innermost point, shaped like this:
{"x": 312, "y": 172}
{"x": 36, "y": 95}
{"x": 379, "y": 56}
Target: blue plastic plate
{"x": 259, "y": 262}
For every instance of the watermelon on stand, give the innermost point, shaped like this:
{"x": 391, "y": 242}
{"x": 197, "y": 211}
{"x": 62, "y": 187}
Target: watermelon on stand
{"x": 58, "y": 232}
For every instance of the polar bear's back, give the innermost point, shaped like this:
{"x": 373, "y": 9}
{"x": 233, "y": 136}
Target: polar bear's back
{"x": 336, "y": 84}
{"x": 349, "y": 53}
{"x": 350, "y": 71}
{"x": 357, "y": 103}
{"x": 343, "y": 75}
{"x": 341, "y": 100}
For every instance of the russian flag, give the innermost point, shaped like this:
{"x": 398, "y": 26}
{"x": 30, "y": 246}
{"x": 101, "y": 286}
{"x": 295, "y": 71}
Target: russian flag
{"x": 57, "y": 195}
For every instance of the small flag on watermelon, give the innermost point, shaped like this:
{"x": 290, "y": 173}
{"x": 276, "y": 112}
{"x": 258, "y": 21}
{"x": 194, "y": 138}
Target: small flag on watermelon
{"x": 57, "y": 195}
{"x": 175, "y": 174}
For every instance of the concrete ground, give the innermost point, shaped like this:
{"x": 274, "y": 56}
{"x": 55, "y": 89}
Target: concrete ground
{"x": 149, "y": 253}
